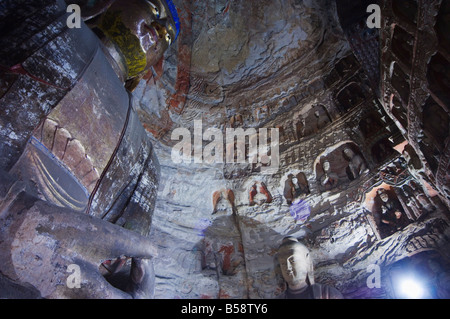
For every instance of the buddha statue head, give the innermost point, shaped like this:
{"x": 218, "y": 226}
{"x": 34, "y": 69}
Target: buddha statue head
{"x": 349, "y": 153}
{"x": 383, "y": 195}
{"x": 136, "y": 33}
{"x": 326, "y": 166}
{"x": 296, "y": 264}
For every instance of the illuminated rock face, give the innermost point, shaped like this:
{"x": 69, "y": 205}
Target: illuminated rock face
{"x": 362, "y": 175}
{"x": 305, "y": 68}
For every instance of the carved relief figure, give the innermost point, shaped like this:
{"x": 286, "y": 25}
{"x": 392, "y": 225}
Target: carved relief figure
{"x": 223, "y": 259}
{"x": 301, "y": 184}
{"x": 299, "y": 127}
{"x": 236, "y": 121}
{"x": 415, "y": 166}
{"x": 356, "y": 165}
{"x": 426, "y": 205}
{"x": 289, "y": 189}
{"x": 262, "y": 190}
{"x": 391, "y": 216}
{"x": 321, "y": 120}
{"x": 416, "y": 200}
{"x": 295, "y": 186}
{"x": 297, "y": 269}
{"x": 312, "y": 122}
{"x": 226, "y": 194}
{"x": 329, "y": 180}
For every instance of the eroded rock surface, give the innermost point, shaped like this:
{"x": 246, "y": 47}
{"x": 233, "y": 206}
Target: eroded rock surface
{"x": 289, "y": 65}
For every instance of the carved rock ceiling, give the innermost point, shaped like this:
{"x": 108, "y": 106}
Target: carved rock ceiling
{"x": 268, "y": 64}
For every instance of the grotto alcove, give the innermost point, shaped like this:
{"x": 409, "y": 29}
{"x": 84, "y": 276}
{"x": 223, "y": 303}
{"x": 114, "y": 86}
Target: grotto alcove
{"x": 302, "y": 67}
{"x": 354, "y": 111}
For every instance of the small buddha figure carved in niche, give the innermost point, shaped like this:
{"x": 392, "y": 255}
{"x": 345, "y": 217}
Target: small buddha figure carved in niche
{"x": 227, "y": 194}
{"x": 295, "y": 186}
{"x": 392, "y": 217}
{"x": 356, "y": 165}
{"x": 329, "y": 180}
{"x": 297, "y": 269}
{"x": 299, "y": 126}
{"x": 289, "y": 189}
{"x": 301, "y": 184}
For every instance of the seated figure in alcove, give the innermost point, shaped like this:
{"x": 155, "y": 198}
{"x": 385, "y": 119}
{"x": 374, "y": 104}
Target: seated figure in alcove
{"x": 320, "y": 121}
{"x": 227, "y": 194}
{"x": 289, "y": 189}
{"x": 417, "y": 201}
{"x": 415, "y": 167}
{"x": 413, "y": 162}
{"x": 425, "y": 203}
{"x": 329, "y": 180}
{"x": 295, "y": 186}
{"x": 297, "y": 269}
{"x": 315, "y": 120}
{"x": 322, "y": 117}
{"x": 391, "y": 216}
{"x": 301, "y": 184}
{"x": 299, "y": 127}
{"x": 356, "y": 165}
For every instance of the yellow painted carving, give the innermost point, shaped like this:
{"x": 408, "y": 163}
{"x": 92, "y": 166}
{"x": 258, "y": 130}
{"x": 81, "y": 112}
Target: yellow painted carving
{"x": 128, "y": 43}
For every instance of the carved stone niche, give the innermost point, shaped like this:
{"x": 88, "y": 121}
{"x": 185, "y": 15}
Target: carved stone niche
{"x": 400, "y": 82}
{"x": 350, "y": 96}
{"x": 399, "y": 112}
{"x": 332, "y": 78}
{"x": 370, "y": 125}
{"x": 317, "y": 119}
{"x": 402, "y": 45}
{"x": 382, "y": 151}
{"x": 438, "y": 76}
{"x": 436, "y": 123}
{"x": 347, "y": 66}
{"x": 312, "y": 122}
{"x": 387, "y": 210}
{"x": 339, "y": 163}
{"x": 416, "y": 201}
{"x": 405, "y": 10}
{"x": 288, "y": 130}
{"x": 295, "y": 186}
{"x": 443, "y": 25}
